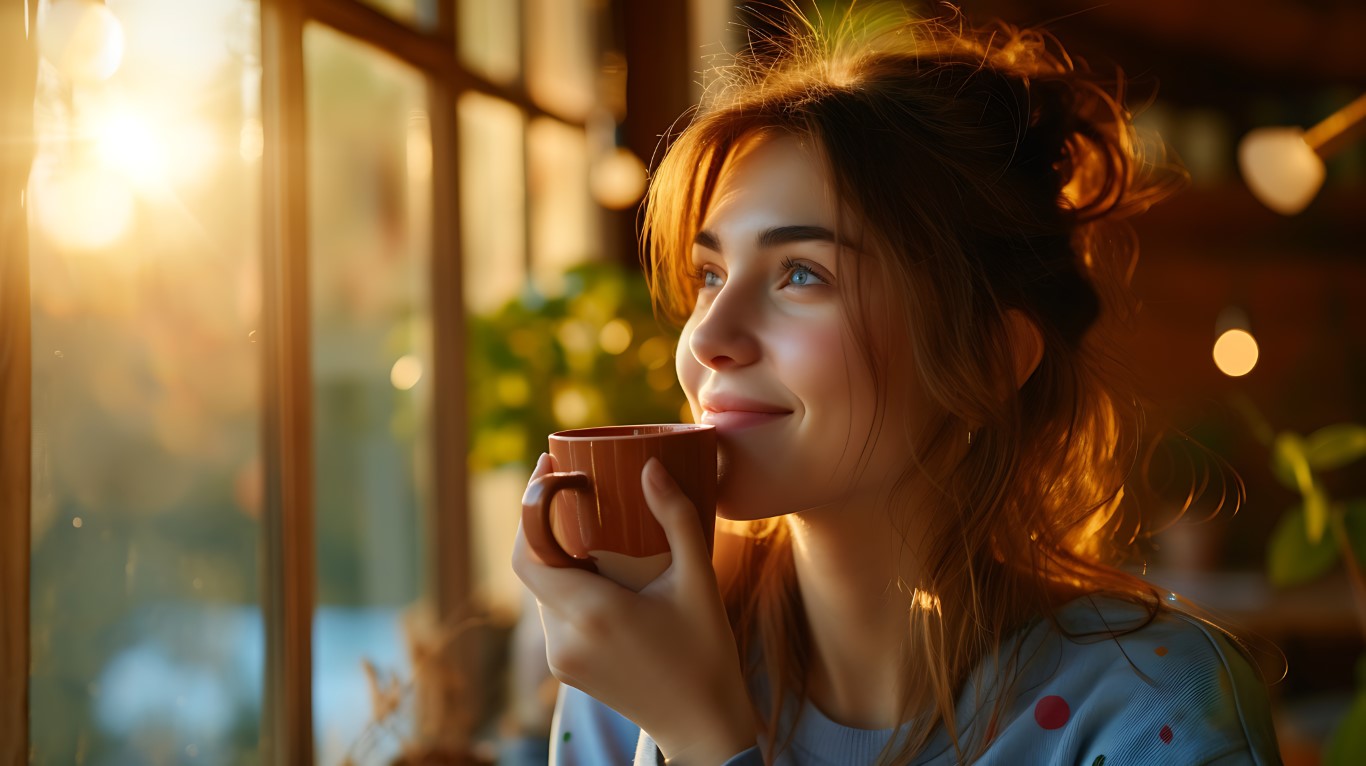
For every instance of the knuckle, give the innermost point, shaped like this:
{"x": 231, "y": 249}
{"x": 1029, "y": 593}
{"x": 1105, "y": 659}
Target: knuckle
{"x": 595, "y": 624}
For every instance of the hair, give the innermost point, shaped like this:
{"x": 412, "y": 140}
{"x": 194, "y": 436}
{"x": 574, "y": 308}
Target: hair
{"x": 992, "y": 174}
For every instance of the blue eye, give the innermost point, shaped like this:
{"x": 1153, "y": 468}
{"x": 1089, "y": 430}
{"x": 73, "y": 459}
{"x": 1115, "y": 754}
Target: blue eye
{"x": 801, "y": 275}
{"x": 710, "y": 278}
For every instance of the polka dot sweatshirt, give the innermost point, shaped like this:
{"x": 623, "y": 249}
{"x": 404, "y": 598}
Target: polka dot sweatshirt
{"x": 1175, "y": 691}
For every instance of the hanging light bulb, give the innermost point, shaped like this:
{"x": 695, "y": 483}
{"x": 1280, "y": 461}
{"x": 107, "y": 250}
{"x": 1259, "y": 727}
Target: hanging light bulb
{"x": 1284, "y": 166}
{"x": 83, "y": 39}
{"x": 1235, "y": 350}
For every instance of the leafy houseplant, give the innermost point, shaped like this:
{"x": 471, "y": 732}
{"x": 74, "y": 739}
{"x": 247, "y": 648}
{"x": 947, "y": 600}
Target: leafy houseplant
{"x": 593, "y": 355}
{"x": 1317, "y": 533}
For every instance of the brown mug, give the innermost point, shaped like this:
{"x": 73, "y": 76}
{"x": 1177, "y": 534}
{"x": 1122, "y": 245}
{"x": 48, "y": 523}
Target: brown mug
{"x": 591, "y": 514}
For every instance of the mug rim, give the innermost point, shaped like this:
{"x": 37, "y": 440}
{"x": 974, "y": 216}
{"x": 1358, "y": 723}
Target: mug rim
{"x": 615, "y": 433}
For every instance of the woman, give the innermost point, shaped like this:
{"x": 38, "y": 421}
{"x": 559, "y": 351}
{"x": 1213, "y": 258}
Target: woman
{"x": 896, "y": 252}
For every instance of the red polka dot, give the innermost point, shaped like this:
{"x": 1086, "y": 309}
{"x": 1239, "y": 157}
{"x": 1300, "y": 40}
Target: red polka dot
{"x": 1166, "y": 735}
{"x": 1052, "y": 712}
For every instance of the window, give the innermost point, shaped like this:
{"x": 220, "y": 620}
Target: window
{"x": 255, "y": 233}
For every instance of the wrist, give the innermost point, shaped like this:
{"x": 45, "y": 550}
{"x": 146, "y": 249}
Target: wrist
{"x": 723, "y": 743}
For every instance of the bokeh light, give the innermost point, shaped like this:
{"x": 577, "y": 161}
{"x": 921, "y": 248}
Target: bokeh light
{"x": 1235, "y": 353}
{"x": 615, "y": 336}
{"x": 406, "y": 372}
{"x": 617, "y": 179}
{"x": 82, "y": 38}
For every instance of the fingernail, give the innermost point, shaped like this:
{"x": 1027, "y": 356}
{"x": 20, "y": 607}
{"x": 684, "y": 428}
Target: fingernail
{"x": 541, "y": 460}
{"x": 659, "y": 477}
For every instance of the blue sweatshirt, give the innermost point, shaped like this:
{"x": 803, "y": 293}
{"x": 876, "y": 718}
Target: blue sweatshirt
{"x": 1175, "y": 691}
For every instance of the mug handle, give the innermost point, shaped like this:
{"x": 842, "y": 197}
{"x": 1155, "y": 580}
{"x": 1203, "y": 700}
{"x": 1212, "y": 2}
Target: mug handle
{"x": 536, "y": 517}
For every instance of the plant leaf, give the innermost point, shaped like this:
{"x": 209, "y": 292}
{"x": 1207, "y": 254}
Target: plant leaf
{"x": 1291, "y": 557}
{"x": 1291, "y": 464}
{"x": 1288, "y": 460}
{"x": 1348, "y": 744}
{"x": 1315, "y": 513}
{"x": 1336, "y": 445}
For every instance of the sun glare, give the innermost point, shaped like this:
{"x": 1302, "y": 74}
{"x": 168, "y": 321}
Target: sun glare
{"x": 153, "y": 153}
{"x": 83, "y": 208}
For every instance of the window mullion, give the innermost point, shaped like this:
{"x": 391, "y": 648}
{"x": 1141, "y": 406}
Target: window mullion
{"x": 287, "y": 395}
{"x": 18, "y": 76}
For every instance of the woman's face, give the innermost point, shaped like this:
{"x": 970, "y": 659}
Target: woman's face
{"x": 768, "y": 355}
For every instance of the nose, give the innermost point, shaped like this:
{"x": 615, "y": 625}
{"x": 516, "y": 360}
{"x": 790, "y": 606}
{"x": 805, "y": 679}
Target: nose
{"x": 725, "y": 336}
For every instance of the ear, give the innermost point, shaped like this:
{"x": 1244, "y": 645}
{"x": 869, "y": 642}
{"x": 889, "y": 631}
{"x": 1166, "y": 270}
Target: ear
{"x": 1026, "y": 344}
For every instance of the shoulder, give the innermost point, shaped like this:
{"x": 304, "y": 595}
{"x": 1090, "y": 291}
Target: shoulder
{"x": 1116, "y": 683}
{"x": 585, "y": 732}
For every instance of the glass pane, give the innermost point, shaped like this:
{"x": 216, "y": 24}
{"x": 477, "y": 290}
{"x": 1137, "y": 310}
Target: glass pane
{"x": 370, "y": 191}
{"x": 418, "y": 13}
{"x": 559, "y": 55}
{"x": 565, "y": 221}
{"x": 492, "y": 200}
{"x": 490, "y": 43}
{"x": 144, "y": 244}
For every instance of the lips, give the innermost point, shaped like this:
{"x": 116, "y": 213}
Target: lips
{"x": 731, "y": 413}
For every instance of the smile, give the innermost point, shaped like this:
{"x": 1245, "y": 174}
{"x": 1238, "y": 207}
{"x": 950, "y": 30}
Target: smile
{"x": 735, "y": 420}
{"x": 731, "y": 412}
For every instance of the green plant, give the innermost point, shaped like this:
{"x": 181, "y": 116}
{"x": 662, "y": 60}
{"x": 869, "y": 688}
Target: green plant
{"x": 1317, "y": 533}
{"x": 593, "y": 355}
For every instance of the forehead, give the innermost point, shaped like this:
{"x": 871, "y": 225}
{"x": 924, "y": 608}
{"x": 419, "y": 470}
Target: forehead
{"x": 772, "y": 180}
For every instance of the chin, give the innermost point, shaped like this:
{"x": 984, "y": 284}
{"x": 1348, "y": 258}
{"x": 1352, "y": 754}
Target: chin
{"x": 749, "y": 499}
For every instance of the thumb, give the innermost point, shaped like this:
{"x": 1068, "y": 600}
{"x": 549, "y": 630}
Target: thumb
{"x": 675, "y": 513}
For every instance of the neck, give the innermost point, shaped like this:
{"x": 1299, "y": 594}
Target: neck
{"x": 856, "y": 598}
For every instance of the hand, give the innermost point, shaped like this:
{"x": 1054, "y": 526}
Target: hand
{"x": 664, "y": 657}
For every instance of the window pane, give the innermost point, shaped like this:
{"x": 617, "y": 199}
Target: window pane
{"x": 418, "y": 13}
{"x": 144, "y": 245}
{"x": 559, "y": 56}
{"x": 370, "y": 213}
{"x": 565, "y": 222}
{"x": 490, "y": 42}
{"x": 492, "y": 200}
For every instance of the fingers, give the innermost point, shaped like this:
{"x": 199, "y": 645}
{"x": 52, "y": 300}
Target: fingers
{"x": 675, "y": 513}
{"x": 552, "y": 586}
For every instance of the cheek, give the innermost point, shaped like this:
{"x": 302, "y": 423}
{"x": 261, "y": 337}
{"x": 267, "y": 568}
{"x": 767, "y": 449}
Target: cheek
{"x": 687, "y": 369}
{"x": 823, "y": 367}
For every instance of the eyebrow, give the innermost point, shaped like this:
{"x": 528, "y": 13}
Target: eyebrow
{"x": 773, "y": 237}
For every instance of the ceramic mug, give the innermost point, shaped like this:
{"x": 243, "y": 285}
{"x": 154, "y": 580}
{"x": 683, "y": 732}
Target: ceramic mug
{"x": 591, "y": 514}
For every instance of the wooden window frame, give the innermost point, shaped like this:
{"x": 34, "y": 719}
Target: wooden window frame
{"x": 18, "y": 79}
{"x": 287, "y": 536}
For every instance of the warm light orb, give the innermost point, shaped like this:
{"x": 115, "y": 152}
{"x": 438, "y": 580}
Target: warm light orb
{"x": 82, "y": 38}
{"x": 406, "y": 372}
{"x": 1235, "y": 353}
{"x": 125, "y": 142}
{"x": 571, "y": 407}
{"x": 615, "y": 336}
{"x": 1280, "y": 168}
{"x": 83, "y": 208}
{"x": 151, "y": 153}
{"x": 617, "y": 179}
